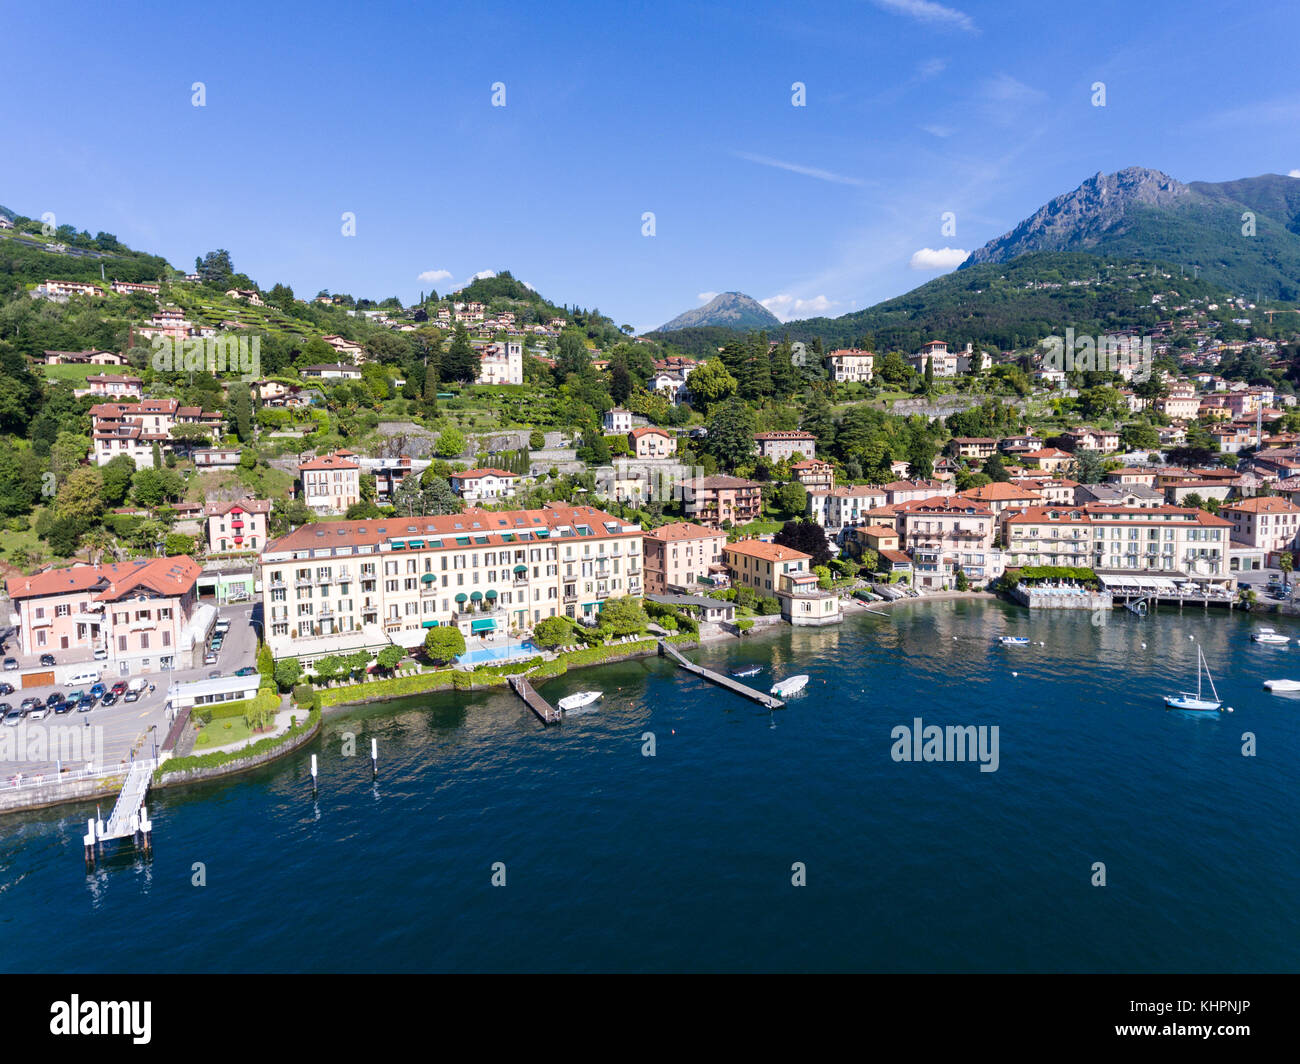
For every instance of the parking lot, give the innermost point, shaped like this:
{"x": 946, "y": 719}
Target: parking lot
{"x": 109, "y": 733}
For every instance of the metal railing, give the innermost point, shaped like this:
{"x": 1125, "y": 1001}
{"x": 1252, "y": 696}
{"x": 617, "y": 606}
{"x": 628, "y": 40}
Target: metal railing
{"x": 23, "y": 782}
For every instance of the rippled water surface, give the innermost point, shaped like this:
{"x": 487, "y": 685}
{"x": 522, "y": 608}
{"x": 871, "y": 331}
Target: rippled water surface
{"x": 682, "y": 861}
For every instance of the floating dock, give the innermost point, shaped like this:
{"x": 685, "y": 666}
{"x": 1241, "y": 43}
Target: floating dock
{"x": 546, "y": 712}
{"x": 129, "y": 817}
{"x": 770, "y": 701}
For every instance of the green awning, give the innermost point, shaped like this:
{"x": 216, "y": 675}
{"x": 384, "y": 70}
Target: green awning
{"x": 492, "y": 593}
{"x": 486, "y": 625}
{"x": 429, "y": 624}
{"x": 398, "y": 546}
{"x": 521, "y": 568}
{"x": 477, "y": 596}
{"x": 416, "y": 543}
{"x": 461, "y": 597}
{"x": 428, "y": 578}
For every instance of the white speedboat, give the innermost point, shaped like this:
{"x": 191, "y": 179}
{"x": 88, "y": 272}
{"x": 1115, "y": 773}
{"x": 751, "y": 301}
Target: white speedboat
{"x": 1268, "y": 635}
{"x": 1279, "y": 686}
{"x": 790, "y": 686}
{"x": 1197, "y": 702}
{"x": 577, "y": 701}
{"x": 1014, "y": 640}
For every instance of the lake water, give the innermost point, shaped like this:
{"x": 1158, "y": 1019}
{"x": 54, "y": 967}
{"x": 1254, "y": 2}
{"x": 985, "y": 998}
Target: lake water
{"x": 616, "y": 861}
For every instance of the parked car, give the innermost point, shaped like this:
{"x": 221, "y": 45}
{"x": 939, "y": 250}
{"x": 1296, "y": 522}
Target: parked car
{"x": 47, "y": 660}
{"x": 101, "y": 654}
{"x": 6, "y": 688}
{"x": 75, "y": 698}
{"x": 131, "y": 696}
{"x": 38, "y": 711}
{"x": 86, "y": 705}
{"x": 119, "y": 688}
{"x": 97, "y": 691}
{"x": 61, "y": 706}
{"x": 109, "y": 699}
{"x": 215, "y": 674}
{"x": 11, "y": 664}
{"x": 247, "y": 670}
{"x": 12, "y": 717}
{"x": 210, "y": 659}
{"x": 31, "y": 703}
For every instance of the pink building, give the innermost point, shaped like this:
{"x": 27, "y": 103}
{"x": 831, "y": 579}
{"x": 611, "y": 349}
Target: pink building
{"x": 237, "y": 526}
{"x": 1267, "y": 522}
{"x": 132, "y": 615}
{"x": 682, "y": 557}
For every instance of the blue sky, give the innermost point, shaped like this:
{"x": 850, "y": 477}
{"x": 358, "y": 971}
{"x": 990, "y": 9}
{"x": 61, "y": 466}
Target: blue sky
{"x": 914, "y": 108}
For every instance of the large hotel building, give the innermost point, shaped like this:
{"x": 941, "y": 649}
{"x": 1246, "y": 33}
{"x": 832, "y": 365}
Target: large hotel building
{"x": 339, "y": 586}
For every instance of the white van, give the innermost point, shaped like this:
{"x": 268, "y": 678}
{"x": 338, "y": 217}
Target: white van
{"x": 138, "y": 684}
{"x": 83, "y": 676}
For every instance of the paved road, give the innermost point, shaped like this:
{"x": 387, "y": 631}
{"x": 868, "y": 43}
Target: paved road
{"x": 115, "y": 730}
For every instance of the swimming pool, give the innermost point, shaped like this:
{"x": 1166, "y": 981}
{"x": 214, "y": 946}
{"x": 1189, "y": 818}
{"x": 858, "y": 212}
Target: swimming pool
{"x": 477, "y": 657}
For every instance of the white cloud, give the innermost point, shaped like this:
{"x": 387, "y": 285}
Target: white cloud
{"x": 707, "y": 297}
{"x": 938, "y": 258}
{"x": 787, "y": 307}
{"x": 937, "y": 130}
{"x": 797, "y": 168}
{"x": 434, "y": 275}
{"x": 927, "y": 11}
{"x": 1005, "y": 87}
{"x": 529, "y": 285}
{"x": 932, "y": 68}
{"x": 483, "y": 275}
{"x": 1293, "y": 173}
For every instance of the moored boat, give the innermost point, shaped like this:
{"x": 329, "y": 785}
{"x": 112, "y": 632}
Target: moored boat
{"x": 577, "y": 701}
{"x": 790, "y": 686}
{"x": 1014, "y": 640}
{"x": 1197, "y": 702}
{"x": 1280, "y": 686}
{"x": 1268, "y": 635}
{"x": 747, "y": 671}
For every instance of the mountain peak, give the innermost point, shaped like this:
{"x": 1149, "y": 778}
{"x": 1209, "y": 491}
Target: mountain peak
{"x": 735, "y": 310}
{"x": 1077, "y": 220}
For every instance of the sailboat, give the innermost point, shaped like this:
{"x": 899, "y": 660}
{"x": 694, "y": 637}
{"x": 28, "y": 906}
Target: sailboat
{"x": 1187, "y": 700}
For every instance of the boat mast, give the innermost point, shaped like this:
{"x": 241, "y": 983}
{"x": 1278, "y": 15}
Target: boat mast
{"x": 1207, "y": 673}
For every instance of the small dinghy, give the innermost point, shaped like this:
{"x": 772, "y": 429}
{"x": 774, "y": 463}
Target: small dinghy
{"x": 790, "y": 686}
{"x": 1281, "y": 686}
{"x": 747, "y": 672}
{"x": 578, "y": 701}
{"x": 1014, "y": 641}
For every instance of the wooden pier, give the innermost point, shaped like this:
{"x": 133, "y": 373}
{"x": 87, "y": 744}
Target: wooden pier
{"x": 770, "y": 701}
{"x": 546, "y": 712}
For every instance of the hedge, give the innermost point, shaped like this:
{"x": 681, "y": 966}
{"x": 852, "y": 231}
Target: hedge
{"x": 262, "y": 746}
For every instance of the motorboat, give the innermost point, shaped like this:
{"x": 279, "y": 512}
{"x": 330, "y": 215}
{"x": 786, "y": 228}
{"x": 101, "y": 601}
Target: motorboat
{"x": 1014, "y": 640}
{"x": 1268, "y": 635}
{"x": 747, "y": 672}
{"x": 790, "y": 686}
{"x": 1281, "y": 686}
{"x": 1197, "y": 702}
{"x": 577, "y": 701}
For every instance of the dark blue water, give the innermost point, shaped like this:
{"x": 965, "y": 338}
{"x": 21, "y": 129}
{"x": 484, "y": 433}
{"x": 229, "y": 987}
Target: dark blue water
{"x": 616, "y": 861}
